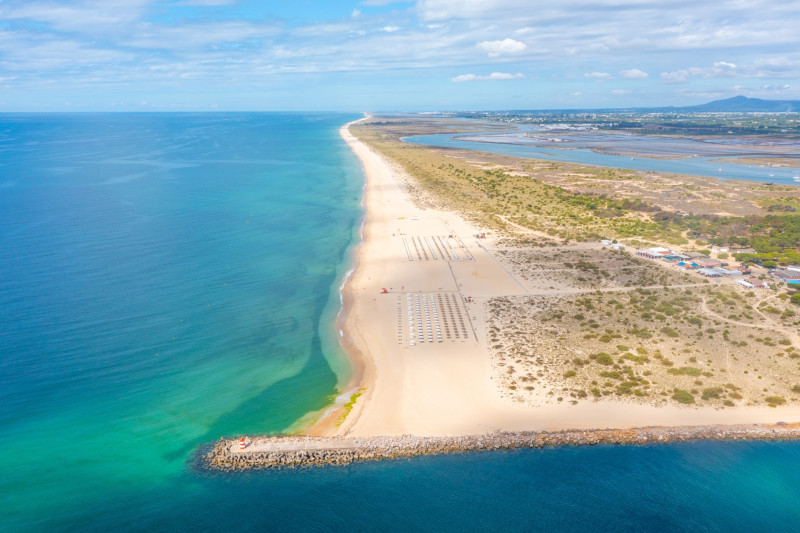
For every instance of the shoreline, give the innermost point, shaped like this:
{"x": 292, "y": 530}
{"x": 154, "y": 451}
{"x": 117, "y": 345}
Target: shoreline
{"x": 445, "y": 389}
{"x": 295, "y": 452}
{"x": 331, "y": 419}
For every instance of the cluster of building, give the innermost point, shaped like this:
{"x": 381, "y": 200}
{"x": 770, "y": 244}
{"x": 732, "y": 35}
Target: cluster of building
{"x": 703, "y": 265}
{"x": 789, "y": 275}
{"x": 715, "y": 268}
{"x": 753, "y": 283}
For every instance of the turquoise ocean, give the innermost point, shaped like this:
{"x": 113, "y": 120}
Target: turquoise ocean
{"x": 168, "y": 279}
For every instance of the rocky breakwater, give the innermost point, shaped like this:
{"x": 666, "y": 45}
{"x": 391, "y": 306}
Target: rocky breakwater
{"x": 297, "y": 451}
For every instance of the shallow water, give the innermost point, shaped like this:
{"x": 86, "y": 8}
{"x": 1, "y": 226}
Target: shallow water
{"x": 167, "y": 279}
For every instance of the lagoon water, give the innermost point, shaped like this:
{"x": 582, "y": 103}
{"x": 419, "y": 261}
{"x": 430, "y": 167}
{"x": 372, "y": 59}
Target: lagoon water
{"x": 168, "y": 279}
{"x": 582, "y": 146}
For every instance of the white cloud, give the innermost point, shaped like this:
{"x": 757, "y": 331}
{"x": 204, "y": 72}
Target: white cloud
{"x": 506, "y": 46}
{"x": 85, "y": 18}
{"x": 634, "y": 74}
{"x": 763, "y": 68}
{"x": 619, "y": 92}
{"x": 678, "y": 76}
{"x": 193, "y": 36}
{"x": 454, "y": 9}
{"x": 777, "y": 88}
{"x": 492, "y": 76}
{"x": 132, "y": 43}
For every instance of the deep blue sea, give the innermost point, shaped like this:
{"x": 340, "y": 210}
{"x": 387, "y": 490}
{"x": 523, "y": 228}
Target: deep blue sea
{"x": 167, "y": 279}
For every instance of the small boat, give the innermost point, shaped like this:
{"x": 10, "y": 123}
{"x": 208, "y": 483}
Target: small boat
{"x": 797, "y": 178}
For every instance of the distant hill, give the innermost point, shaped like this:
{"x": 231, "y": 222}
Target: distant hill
{"x": 737, "y": 104}
{"x": 743, "y": 104}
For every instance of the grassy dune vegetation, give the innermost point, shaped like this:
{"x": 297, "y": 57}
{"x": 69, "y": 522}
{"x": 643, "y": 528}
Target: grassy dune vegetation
{"x": 704, "y": 346}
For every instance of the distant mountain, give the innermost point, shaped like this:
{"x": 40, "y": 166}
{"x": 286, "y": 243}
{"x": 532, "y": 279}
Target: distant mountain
{"x": 743, "y": 104}
{"x": 737, "y": 104}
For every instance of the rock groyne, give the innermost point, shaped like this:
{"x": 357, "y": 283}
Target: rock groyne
{"x": 299, "y": 451}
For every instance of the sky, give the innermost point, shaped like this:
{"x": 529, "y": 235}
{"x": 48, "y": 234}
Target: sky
{"x": 384, "y": 55}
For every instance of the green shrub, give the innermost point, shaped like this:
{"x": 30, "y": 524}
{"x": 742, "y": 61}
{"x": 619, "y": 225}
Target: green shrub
{"x": 641, "y": 333}
{"x": 635, "y": 358}
{"x": 669, "y": 332}
{"x": 603, "y": 358}
{"x": 712, "y": 393}
{"x": 774, "y": 401}
{"x": 685, "y": 371}
{"x": 570, "y": 374}
{"x": 682, "y": 396}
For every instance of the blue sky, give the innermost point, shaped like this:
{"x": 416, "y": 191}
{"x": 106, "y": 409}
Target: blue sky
{"x": 380, "y": 55}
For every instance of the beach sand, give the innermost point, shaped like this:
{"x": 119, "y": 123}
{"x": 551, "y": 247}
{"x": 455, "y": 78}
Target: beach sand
{"x": 446, "y": 388}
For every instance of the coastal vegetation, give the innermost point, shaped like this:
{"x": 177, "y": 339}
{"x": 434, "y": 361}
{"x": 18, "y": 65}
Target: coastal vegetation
{"x": 348, "y": 407}
{"x": 707, "y": 346}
